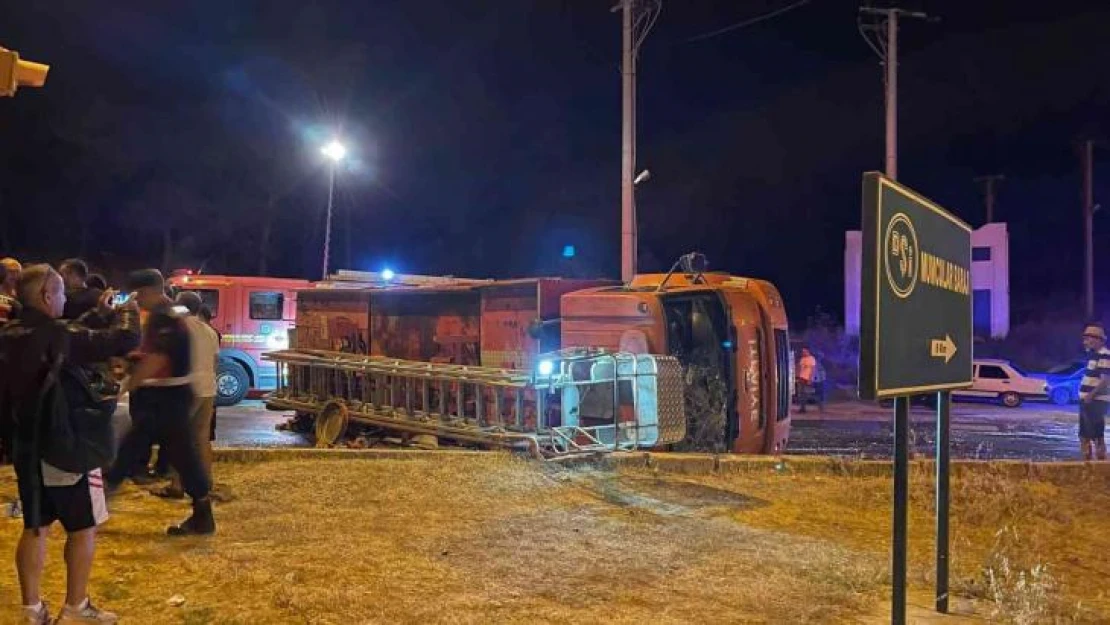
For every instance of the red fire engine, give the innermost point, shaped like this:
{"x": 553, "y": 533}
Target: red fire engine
{"x": 253, "y": 316}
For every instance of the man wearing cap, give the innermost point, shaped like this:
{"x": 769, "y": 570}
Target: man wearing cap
{"x": 205, "y": 348}
{"x": 162, "y": 396}
{"x": 1094, "y": 393}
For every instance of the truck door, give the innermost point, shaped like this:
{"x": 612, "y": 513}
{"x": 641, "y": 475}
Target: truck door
{"x": 221, "y": 302}
{"x": 263, "y": 329}
{"x": 749, "y": 350}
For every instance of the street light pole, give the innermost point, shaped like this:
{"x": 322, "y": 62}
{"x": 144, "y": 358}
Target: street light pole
{"x": 327, "y": 223}
{"x": 335, "y": 153}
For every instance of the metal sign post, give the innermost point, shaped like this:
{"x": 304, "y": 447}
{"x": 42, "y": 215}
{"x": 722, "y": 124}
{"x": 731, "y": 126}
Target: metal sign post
{"x": 901, "y": 508}
{"x": 915, "y": 337}
{"x": 944, "y": 408}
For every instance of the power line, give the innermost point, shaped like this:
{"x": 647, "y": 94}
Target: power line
{"x": 748, "y": 22}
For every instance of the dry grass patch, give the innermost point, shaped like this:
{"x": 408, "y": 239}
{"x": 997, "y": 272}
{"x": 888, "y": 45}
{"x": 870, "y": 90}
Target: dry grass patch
{"x": 1030, "y": 549}
{"x": 488, "y": 538}
{"x": 463, "y": 540}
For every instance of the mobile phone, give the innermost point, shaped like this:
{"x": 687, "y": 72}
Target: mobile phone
{"x": 121, "y": 298}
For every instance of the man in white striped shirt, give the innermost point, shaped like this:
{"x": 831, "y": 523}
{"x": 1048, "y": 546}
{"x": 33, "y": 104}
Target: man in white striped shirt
{"x": 1094, "y": 393}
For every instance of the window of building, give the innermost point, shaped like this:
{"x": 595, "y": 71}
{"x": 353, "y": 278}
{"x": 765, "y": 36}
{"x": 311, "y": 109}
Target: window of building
{"x": 267, "y": 305}
{"x": 980, "y": 253}
{"x": 981, "y": 312}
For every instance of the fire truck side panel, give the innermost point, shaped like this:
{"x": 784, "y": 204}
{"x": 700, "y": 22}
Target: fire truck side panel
{"x": 510, "y": 307}
{"x": 433, "y": 326}
{"x": 334, "y": 320}
{"x": 507, "y": 313}
{"x": 604, "y": 317}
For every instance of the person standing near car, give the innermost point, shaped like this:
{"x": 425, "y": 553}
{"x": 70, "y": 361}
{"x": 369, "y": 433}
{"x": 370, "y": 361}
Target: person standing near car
{"x": 1094, "y": 393}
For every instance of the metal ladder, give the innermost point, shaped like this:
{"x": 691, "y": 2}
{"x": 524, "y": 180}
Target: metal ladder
{"x": 581, "y": 401}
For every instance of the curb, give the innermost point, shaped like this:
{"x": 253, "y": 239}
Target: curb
{"x": 279, "y": 454}
{"x": 705, "y": 464}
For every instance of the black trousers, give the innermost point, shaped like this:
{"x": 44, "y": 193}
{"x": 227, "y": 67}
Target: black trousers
{"x": 163, "y": 417}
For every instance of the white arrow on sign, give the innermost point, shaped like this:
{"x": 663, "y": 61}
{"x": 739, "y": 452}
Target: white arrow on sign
{"x": 945, "y": 348}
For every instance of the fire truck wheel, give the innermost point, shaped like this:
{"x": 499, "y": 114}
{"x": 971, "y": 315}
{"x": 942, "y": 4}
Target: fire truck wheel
{"x": 232, "y": 383}
{"x": 331, "y": 423}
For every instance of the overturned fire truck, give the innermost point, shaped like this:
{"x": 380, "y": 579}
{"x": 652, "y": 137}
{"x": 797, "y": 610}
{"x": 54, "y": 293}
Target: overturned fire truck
{"x": 688, "y": 360}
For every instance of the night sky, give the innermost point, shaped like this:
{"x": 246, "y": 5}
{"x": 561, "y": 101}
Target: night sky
{"x": 486, "y": 135}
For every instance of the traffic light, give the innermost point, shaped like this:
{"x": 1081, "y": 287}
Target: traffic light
{"x": 15, "y": 73}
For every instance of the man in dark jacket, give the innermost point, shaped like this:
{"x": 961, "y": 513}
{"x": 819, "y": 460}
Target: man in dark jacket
{"x": 80, "y": 297}
{"x": 161, "y": 401}
{"x": 33, "y": 349}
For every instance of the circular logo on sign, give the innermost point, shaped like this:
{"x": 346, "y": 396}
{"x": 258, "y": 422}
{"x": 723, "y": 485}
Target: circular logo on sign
{"x": 900, "y": 254}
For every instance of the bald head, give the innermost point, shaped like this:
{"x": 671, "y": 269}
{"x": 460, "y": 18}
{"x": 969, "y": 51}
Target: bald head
{"x": 41, "y": 288}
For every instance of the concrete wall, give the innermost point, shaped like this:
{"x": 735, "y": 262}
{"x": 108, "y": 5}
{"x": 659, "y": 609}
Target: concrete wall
{"x": 991, "y": 275}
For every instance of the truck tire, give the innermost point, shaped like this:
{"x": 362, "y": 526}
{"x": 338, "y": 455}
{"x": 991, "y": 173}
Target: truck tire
{"x": 232, "y": 383}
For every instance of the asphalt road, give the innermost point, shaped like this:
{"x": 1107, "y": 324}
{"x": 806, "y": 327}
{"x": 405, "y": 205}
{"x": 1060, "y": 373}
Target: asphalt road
{"x": 979, "y": 431}
{"x": 247, "y": 424}
{"x": 851, "y": 429}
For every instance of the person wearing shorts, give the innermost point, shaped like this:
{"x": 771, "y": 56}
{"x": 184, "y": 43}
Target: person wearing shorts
{"x": 35, "y": 350}
{"x": 1094, "y": 394}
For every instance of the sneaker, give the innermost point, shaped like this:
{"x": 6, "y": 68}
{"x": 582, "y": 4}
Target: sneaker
{"x": 40, "y": 616}
{"x": 86, "y": 614}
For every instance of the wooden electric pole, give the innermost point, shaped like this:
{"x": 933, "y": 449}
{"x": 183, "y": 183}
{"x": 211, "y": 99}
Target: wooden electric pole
{"x": 888, "y": 52}
{"x": 628, "y": 143}
{"x": 988, "y": 190}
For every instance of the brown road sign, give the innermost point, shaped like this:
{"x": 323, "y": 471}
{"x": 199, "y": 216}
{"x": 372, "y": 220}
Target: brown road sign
{"x": 915, "y": 330}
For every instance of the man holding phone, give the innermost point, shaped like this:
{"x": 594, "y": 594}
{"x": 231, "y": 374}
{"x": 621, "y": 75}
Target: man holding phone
{"x": 80, "y": 298}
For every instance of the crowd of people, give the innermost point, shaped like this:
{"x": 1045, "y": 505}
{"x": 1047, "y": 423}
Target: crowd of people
{"x": 70, "y": 349}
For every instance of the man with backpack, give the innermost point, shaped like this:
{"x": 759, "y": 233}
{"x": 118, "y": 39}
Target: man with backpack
{"x": 63, "y": 431}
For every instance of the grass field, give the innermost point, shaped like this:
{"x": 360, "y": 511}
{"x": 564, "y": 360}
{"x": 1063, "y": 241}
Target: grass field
{"x": 488, "y": 538}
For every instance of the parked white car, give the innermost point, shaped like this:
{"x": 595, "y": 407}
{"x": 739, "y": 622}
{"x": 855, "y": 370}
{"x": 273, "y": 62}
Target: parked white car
{"x": 1001, "y": 380}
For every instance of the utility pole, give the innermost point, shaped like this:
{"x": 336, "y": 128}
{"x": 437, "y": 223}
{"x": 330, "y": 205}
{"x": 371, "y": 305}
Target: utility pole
{"x": 988, "y": 185}
{"x": 628, "y": 143}
{"x": 637, "y": 19}
{"x": 892, "y": 95}
{"x": 887, "y": 49}
{"x": 1088, "y": 229}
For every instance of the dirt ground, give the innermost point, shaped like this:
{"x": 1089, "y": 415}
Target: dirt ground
{"x": 489, "y": 538}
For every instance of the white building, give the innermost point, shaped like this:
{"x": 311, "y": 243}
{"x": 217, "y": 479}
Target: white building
{"x": 990, "y": 280}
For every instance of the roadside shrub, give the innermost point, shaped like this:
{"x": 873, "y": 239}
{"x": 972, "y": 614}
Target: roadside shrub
{"x": 835, "y": 350}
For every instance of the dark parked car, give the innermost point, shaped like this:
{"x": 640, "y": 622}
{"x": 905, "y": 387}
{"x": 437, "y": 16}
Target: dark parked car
{"x": 1063, "y": 381}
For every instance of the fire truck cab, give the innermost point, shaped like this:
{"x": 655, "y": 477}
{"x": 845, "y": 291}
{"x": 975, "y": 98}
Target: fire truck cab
{"x": 253, "y": 316}
{"x": 729, "y": 333}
